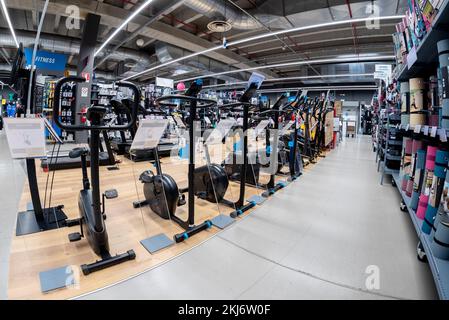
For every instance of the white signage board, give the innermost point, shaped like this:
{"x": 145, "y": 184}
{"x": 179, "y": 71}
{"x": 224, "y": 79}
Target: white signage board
{"x": 220, "y": 131}
{"x": 256, "y": 78}
{"x": 287, "y": 126}
{"x": 261, "y": 126}
{"x": 166, "y": 83}
{"x": 26, "y": 137}
{"x": 149, "y": 133}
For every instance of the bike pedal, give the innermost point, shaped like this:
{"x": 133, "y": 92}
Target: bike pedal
{"x": 76, "y": 236}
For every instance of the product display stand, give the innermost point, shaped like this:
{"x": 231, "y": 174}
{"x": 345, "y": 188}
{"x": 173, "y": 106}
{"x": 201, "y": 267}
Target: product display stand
{"x": 439, "y": 267}
{"x": 390, "y": 154}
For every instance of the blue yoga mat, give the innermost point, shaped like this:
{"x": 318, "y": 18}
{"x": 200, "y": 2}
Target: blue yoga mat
{"x": 441, "y": 161}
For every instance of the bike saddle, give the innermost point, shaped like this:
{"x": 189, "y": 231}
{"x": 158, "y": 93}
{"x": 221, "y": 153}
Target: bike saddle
{"x": 146, "y": 176}
{"x": 96, "y": 112}
{"x": 117, "y": 105}
{"x": 78, "y": 152}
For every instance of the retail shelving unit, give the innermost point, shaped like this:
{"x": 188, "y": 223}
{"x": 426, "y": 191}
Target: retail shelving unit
{"x": 439, "y": 267}
{"x": 427, "y": 53}
{"x": 389, "y": 146}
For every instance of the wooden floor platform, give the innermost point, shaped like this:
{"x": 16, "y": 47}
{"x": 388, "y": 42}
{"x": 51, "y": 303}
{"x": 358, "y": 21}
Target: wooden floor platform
{"x": 32, "y": 254}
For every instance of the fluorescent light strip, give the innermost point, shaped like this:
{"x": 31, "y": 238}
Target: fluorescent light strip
{"x": 135, "y": 13}
{"x": 5, "y": 12}
{"x": 296, "y": 63}
{"x": 265, "y": 35}
{"x": 292, "y": 78}
{"x": 336, "y": 88}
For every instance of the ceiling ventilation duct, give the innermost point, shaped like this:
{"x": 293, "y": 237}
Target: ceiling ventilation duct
{"x": 201, "y": 65}
{"x": 140, "y": 60}
{"x": 236, "y": 18}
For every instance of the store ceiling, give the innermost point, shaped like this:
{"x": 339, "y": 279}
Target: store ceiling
{"x": 169, "y": 29}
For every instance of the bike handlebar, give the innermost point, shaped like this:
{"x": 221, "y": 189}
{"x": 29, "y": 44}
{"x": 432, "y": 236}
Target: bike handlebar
{"x": 123, "y": 84}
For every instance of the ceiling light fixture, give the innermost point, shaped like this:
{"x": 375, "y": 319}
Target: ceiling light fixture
{"x": 5, "y": 12}
{"x": 265, "y": 35}
{"x": 243, "y": 83}
{"x": 296, "y": 63}
{"x": 134, "y": 14}
{"x": 333, "y": 88}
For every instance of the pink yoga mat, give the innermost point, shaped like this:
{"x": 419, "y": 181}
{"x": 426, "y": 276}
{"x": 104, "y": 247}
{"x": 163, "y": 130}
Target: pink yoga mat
{"x": 434, "y": 120}
{"x": 430, "y": 166}
{"x": 422, "y": 206}
{"x": 430, "y": 158}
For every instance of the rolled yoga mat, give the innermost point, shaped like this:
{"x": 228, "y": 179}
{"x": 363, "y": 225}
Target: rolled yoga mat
{"x": 434, "y": 102}
{"x": 443, "y": 208}
{"x": 440, "y": 231}
{"x": 406, "y": 162}
{"x": 427, "y": 182}
{"x": 417, "y": 102}
{"x": 405, "y": 103}
{"x": 418, "y": 178}
{"x": 439, "y": 174}
{"x": 440, "y": 243}
{"x": 416, "y": 145}
{"x": 443, "y": 52}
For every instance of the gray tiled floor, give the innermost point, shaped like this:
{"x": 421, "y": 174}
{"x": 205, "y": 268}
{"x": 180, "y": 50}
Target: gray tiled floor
{"x": 314, "y": 240}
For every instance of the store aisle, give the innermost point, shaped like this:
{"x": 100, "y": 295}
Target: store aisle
{"x": 314, "y": 240}
{"x": 12, "y": 177}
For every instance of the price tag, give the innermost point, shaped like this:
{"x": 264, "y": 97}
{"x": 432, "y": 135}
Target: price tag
{"x": 407, "y": 127}
{"x": 417, "y": 129}
{"x": 442, "y": 134}
{"x": 433, "y": 132}
{"x": 426, "y": 130}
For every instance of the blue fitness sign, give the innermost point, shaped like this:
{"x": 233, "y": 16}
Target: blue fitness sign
{"x": 47, "y": 61}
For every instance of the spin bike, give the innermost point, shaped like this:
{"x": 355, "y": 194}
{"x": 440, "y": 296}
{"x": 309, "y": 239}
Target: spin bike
{"x": 91, "y": 206}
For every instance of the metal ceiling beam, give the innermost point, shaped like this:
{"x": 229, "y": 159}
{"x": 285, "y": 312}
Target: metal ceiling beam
{"x": 5, "y": 56}
{"x": 269, "y": 30}
{"x": 189, "y": 20}
{"x": 137, "y": 31}
{"x": 114, "y": 16}
{"x": 354, "y": 28}
{"x": 57, "y": 22}
{"x": 129, "y": 4}
{"x": 321, "y": 41}
{"x": 318, "y": 33}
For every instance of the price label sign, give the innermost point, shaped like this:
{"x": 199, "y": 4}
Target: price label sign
{"x": 442, "y": 134}
{"x": 417, "y": 128}
{"x": 407, "y": 127}
{"x": 426, "y": 130}
{"x": 433, "y": 132}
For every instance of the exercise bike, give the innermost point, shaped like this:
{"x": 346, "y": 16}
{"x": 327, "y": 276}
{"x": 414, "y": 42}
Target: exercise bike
{"x": 91, "y": 207}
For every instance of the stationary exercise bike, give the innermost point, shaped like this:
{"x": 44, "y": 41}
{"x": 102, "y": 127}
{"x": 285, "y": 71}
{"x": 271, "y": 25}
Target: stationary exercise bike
{"x": 91, "y": 207}
{"x": 211, "y": 181}
{"x": 161, "y": 191}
